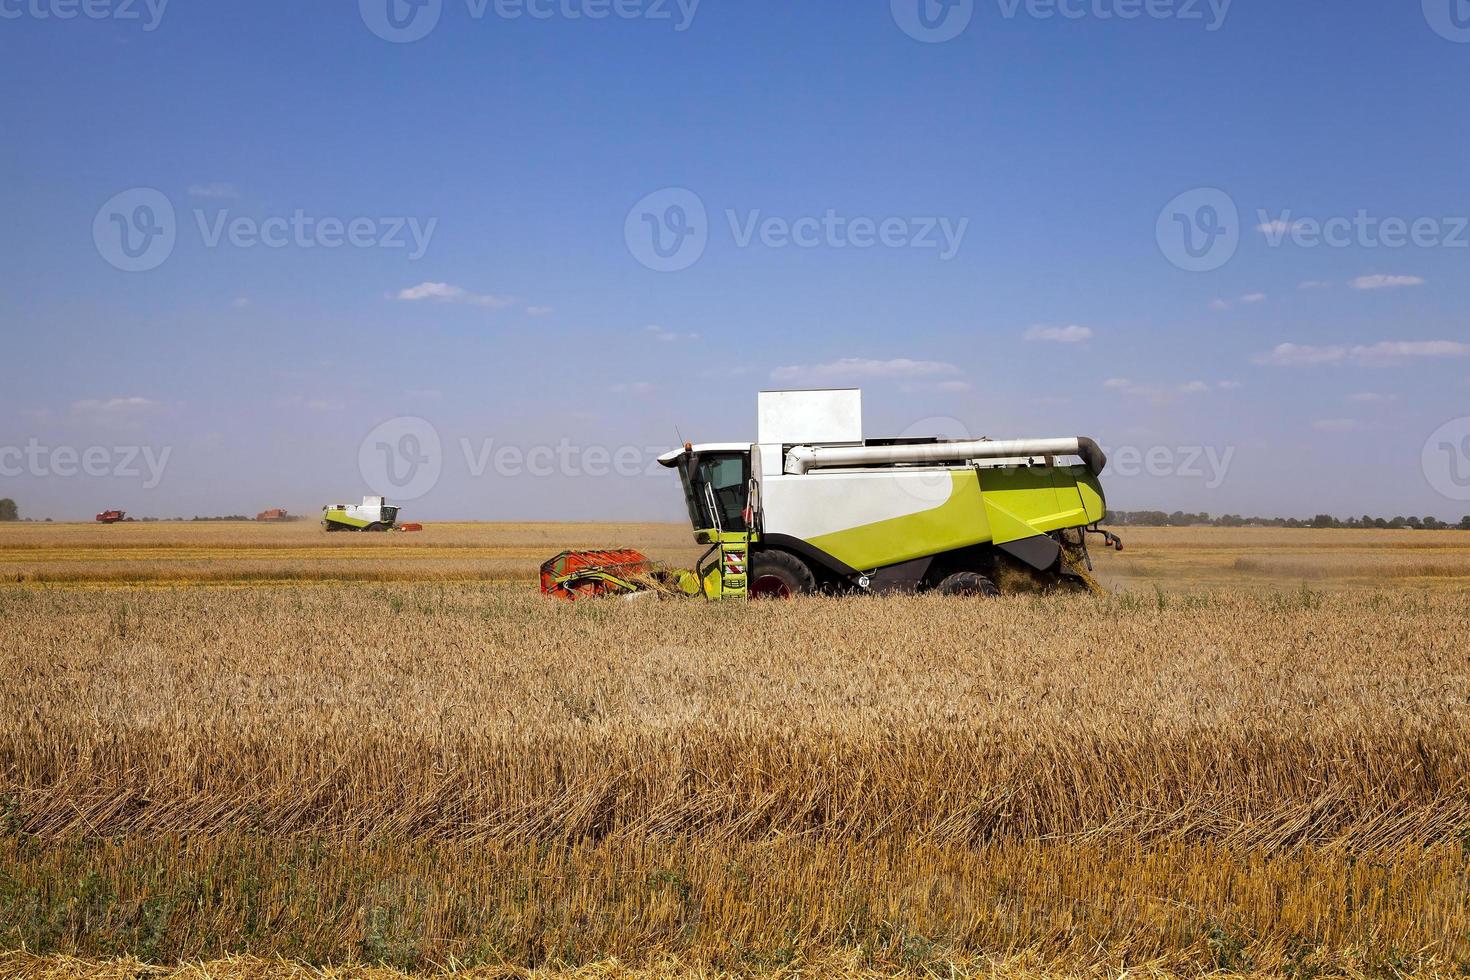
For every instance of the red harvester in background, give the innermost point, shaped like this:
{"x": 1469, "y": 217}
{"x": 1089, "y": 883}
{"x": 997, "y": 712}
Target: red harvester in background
{"x": 110, "y": 517}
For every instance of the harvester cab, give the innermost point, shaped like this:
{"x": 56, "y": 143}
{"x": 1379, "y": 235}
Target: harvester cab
{"x": 814, "y": 505}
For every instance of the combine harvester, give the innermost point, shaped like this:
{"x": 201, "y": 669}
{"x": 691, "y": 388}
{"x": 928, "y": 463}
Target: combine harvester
{"x": 373, "y": 514}
{"x": 814, "y": 506}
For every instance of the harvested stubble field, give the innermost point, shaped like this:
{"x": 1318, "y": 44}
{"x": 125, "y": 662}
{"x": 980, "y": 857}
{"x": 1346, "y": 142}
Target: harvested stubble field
{"x": 1222, "y": 766}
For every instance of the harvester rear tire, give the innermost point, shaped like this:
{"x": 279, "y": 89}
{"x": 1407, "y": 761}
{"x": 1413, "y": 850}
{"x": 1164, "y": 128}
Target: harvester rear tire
{"x": 968, "y": 584}
{"x": 779, "y": 575}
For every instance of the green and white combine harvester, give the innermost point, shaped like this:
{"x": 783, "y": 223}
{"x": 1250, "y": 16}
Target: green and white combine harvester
{"x": 373, "y": 514}
{"x": 813, "y": 506}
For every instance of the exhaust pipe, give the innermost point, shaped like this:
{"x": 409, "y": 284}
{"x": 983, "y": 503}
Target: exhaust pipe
{"x": 803, "y": 459}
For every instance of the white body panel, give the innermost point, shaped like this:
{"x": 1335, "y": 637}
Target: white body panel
{"x": 821, "y": 503}
{"x": 828, "y": 416}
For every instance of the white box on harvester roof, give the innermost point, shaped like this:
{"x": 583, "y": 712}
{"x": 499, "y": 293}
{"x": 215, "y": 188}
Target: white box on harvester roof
{"x": 828, "y": 415}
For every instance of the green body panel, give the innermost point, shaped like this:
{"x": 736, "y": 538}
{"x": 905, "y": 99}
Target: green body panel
{"x": 341, "y": 517}
{"x": 984, "y": 506}
{"x": 1024, "y": 502}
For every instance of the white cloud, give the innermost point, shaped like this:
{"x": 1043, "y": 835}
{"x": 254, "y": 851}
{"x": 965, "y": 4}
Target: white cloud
{"x": 1158, "y": 393}
{"x": 1336, "y": 425}
{"x": 1071, "y": 334}
{"x": 539, "y": 311}
{"x": 1229, "y": 386}
{"x": 216, "y": 191}
{"x": 443, "y": 292}
{"x": 953, "y": 386}
{"x": 241, "y": 303}
{"x": 1385, "y": 282}
{"x": 1383, "y": 352}
{"x": 1278, "y": 228}
{"x": 120, "y": 413}
{"x": 858, "y": 369}
{"x": 666, "y": 335}
{"x": 1293, "y": 355}
{"x": 1392, "y": 350}
{"x": 1248, "y": 299}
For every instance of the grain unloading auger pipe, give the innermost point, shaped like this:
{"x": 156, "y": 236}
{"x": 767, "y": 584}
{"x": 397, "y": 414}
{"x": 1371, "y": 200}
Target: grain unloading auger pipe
{"x": 802, "y": 459}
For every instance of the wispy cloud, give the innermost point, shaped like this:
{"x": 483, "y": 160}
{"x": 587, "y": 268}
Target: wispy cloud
{"x": 215, "y": 191}
{"x": 1383, "y": 352}
{"x": 241, "y": 303}
{"x": 859, "y": 369}
{"x": 666, "y": 335}
{"x": 1278, "y": 228}
{"x": 539, "y": 311}
{"x": 1248, "y": 299}
{"x": 115, "y": 413}
{"x": 1159, "y": 393}
{"x": 1371, "y": 398}
{"x": 1071, "y": 334}
{"x": 1229, "y": 385}
{"x": 1385, "y": 282}
{"x": 443, "y": 292}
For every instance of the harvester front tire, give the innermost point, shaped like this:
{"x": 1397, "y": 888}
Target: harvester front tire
{"x": 779, "y": 575}
{"x": 968, "y": 584}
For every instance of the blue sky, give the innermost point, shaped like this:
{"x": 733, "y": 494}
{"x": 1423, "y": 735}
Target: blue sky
{"x": 990, "y": 226}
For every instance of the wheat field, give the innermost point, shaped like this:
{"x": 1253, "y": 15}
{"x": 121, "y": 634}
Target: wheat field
{"x": 231, "y": 751}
